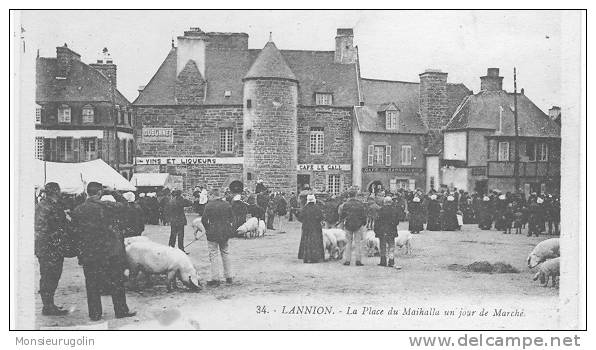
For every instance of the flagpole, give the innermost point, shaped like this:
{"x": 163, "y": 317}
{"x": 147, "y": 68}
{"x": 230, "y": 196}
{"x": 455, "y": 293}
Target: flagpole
{"x": 516, "y": 164}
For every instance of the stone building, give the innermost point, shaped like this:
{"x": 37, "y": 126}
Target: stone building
{"x": 217, "y": 112}
{"x": 479, "y": 142}
{"x": 80, "y": 114}
{"x": 397, "y": 131}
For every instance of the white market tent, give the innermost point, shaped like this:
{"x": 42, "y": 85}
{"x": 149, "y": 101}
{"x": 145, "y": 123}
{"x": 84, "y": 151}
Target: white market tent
{"x": 74, "y": 177}
{"x": 149, "y": 179}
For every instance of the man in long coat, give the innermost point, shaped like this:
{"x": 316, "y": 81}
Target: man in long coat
{"x": 386, "y": 230}
{"x": 352, "y": 214}
{"x": 218, "y": 222}
{"x": 50, "y": 230}
{"x": 131, "y": 218}
{"x": 177, "y": 218}
{"x": 101, "y": 252}
{"x": 311, "y": 248}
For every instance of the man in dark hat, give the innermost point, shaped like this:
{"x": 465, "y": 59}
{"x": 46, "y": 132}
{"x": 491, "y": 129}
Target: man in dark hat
{"x": 101, "y": 252}
{"x": 50, "y": 229}
{"x": 177, "y": 218}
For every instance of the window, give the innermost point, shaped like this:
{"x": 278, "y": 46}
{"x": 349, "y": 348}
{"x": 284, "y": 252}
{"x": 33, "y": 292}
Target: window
{"x": 88, "y": 115}
{"x": 541, "y": 152}
{"x": 503, "y": 153}
{"x": 334, "y": 183}
{"x": 323, "y": 99}
{"x": 226, "y": 140}
{"x": 64, "y": 114}
{"x": 393, "y": 185}
{"x": 406, "y": 155}
{"x": 39, "y": 149}
{"x": 121, "y": 116}
{"x": 65, "y": 153}
{"x": 317, "y": 140}
{"x": 130, "y": 118}
{"x": 391, "y": 120}
{"x": 38, "y": 115}
{"x": 130, "y": 151}
{"x": 379, "y": 155}
{"x": 89, "y": 148}
{"x": 531, "y": 151}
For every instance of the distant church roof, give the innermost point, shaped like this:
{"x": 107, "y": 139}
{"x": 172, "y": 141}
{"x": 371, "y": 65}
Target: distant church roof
{"x": 270, "y": 64}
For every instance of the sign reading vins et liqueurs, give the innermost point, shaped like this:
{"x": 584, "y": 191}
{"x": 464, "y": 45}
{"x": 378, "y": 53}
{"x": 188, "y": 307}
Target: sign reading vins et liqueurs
{"x": 404, "y": 171}
{"x": 158, "y": 135}
{"x": 187, "y": 160}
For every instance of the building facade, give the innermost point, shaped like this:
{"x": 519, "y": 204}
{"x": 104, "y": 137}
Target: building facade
{"x": 80, "y": 114}
{"x": 396, "y": 127}
{"x": 479, "y": 143}
{"x": 217, "y": 112}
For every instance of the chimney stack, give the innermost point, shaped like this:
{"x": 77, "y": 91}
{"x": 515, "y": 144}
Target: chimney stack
{"x": 106, "y": 66}
{"x": 554, "y": 112}
{"x": 491, "y": 81}
{"x": 65, "y": 57}
{"x": 345, "y": 53}
{"x": 191, "y": 46}
{"x": 433, "y": 102}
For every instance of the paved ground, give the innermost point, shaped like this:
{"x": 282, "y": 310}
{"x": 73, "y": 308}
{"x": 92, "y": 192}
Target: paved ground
{"x": 267, "y": 274}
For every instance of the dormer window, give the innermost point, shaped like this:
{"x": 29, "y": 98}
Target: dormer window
{"x": 391, "y": 120}
{"x": 323, "y": 99}
{"x": 88, "y": 115}
{"x": 64, "y": 114}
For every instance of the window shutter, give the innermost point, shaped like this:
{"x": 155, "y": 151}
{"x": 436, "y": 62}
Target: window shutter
{"x": 99, "y": 149}
{"x": 387, "y": 121}
{"x": 76, "y": 149}
{"x": 371, "y": 150}
{"x": 388, "y": 155}
{"x": 59, "y": 148}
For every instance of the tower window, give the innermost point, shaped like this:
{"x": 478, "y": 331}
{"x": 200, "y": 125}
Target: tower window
{"x": 317, "y": 140}
{"x": 64, "y": 114}
{"x": 226, "y": 140}
{"x": 503, "y": 154}
{"x": 248, "y": 103}
{"x": 323, "y": 99}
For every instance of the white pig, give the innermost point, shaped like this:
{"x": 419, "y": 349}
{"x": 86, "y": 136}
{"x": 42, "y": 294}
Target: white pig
{"x": 340, "y": 237}
{"x": 249, "y": 228}
{"x": 371, "y": 243}
{"x": 198, "y": 227}
{"x": 404, "y": 238}
{"x": 154, "y": 258}
{"x": 547, "y": 249}
{"x": 330, "y": 244}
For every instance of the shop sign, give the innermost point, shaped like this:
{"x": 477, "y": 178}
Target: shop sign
{"x": 157, "y": 135}
{"x": 324, "y": 167}
{"x": 187, "y": 160}
{"x": 403, "y": 171}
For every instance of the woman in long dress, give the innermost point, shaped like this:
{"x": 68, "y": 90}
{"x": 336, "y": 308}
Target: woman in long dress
{"x": 450, "y": 222}
{"x": 433, "y": 222}
{"x": 416, "y": 219}
{"x": 311, "y": 248}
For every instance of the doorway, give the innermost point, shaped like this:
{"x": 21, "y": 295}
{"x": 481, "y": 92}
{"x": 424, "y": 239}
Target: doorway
{"x": 302, "y": 179}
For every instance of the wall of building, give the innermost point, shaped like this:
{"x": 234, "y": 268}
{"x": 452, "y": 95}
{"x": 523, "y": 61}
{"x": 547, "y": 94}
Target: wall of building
{"x": 455, "y": 145}
{"x": 398, "y": 171}
{"x": 456, "y": 177}
{"x": 477, "y": 147}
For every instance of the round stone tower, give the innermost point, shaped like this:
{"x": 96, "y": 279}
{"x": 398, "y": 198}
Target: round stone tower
{"x": 270, "y": 122}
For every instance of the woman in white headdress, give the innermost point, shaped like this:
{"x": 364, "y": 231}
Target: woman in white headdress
{"x": 450, "y": 222}
{"x": 416, "y": 215}
{"x": 311, "y": 248}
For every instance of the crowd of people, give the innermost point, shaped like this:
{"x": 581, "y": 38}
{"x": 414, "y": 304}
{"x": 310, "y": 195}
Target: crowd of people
{"x": 92, "y": 226}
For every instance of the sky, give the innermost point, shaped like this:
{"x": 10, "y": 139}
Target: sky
{"x": 393, "y": 45}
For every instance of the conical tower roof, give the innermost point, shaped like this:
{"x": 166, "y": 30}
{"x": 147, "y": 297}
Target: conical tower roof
{"x": 270, "y": 64}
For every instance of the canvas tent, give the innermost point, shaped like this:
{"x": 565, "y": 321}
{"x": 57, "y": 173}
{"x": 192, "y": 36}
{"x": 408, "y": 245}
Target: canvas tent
{"x": 155, "y": 181}
{"x": 74, "y": 177}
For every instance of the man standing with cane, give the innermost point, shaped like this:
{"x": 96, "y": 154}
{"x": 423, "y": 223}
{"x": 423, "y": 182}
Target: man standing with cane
{"x": 175, "y": 211}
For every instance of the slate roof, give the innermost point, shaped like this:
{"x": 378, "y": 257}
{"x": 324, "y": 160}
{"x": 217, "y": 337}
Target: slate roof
{"x": 481, "y": 111}
{"x": 270, "y": 64}
{"x": 225, "y": 69}
{"x": 378, "y": 94}
{"x": 83, "y": 84}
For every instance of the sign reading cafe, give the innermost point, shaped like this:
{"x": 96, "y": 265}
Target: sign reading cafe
{"x": 158, "y": 135}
